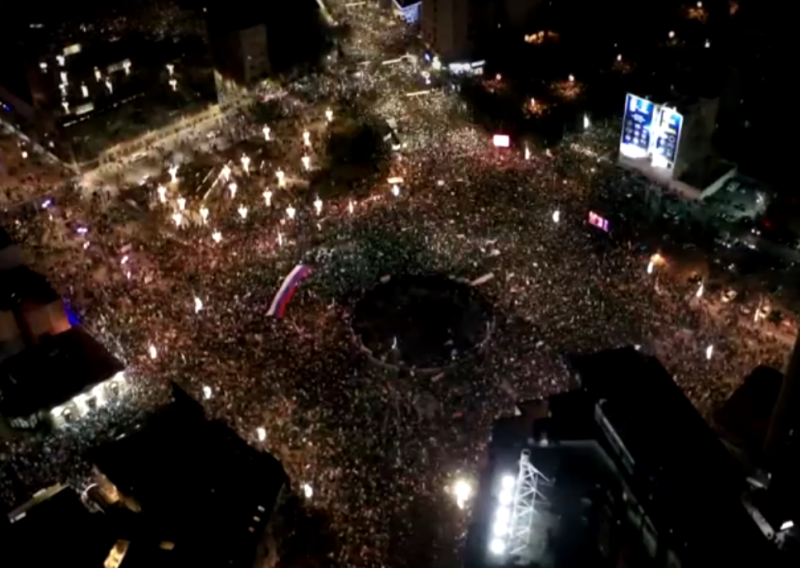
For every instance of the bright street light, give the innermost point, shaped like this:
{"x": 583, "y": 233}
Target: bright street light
{"x": 462, "y": 491}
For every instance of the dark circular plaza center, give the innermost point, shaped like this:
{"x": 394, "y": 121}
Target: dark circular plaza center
{"x": 422, "y": 322}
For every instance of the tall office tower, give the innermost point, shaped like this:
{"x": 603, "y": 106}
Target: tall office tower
{"x": 457, "y": 30}
{"x": 239, "y": 46}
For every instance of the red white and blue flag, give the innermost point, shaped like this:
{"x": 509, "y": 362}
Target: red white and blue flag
{"x": 286, "y": 291}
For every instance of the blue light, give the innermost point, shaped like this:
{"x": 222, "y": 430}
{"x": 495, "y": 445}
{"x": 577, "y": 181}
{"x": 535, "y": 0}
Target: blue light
{"x": 72, "y": 317}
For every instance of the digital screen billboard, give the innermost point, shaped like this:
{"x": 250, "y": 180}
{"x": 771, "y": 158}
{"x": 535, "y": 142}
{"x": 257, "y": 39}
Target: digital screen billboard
{"x": 501, "y": 140}
{"x": 636, "y": 124}
{"x": 650, "y": 131}
{"x": 667, "y": 132}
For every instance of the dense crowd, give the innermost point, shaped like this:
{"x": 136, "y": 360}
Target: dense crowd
{"x": 184, "y": 299}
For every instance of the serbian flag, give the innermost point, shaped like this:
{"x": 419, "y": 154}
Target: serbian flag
{"x": 286, "y": 291}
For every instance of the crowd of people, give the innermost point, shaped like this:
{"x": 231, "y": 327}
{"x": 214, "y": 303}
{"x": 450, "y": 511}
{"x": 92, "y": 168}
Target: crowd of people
{"x": 181, "y": 295}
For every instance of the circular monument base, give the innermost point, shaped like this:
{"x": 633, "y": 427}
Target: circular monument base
{"x": 425, "y": 323}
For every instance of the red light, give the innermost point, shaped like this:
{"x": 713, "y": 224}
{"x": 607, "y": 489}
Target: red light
{"x": 501, "y": 140}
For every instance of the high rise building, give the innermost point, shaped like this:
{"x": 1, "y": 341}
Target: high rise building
{"x": 239, "y": 46}
{"x": 456, "y": 30}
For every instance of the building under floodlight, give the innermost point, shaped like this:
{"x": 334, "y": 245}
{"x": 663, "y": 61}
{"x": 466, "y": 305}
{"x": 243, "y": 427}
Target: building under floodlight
{"x": 621, "y": 471}
{"x": 175, "y": 491}
{"x": 50, "y": 370}
{"x": 61, "y": 379}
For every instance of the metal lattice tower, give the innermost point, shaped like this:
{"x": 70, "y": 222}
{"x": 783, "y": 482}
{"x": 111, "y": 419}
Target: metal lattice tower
{"x": 523, "y": 508}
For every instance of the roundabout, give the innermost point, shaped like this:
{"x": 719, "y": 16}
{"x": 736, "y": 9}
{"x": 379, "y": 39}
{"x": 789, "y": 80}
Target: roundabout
{"x": 424, "y": 323}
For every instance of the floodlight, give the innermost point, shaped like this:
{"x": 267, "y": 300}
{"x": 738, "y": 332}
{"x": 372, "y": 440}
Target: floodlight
{"x": 497, "y": 546}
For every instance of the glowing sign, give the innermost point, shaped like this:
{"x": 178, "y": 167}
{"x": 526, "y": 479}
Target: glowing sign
{"x": 666, "y": 134}
{"x": 598, "y": 221}
{"x": 636, "y": 124}
{"x": 501, "y": 140}
{"x": 650, "y": 131}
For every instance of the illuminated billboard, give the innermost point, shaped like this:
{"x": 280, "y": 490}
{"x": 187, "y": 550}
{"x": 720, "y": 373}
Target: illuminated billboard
{"x": 636, "y": 123}
{"x": 650, "y": 131}
{"x": 598, "y": 221}
{"x": 501, "y": 140}
{"x": 666, "y": 134}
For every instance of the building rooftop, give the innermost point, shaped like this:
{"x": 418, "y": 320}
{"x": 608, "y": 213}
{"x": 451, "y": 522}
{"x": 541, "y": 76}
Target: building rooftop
{"x": 198, "y": 484}
{"x": 55, "y": 529}
{"x": 175, "y": 491}
{"x": 693, "y": 485}
{"x": 622, "y": 472}
{"x": 740, "y": 196}
{"x": 52, "y": 372}
{"x": 20, "y": 284}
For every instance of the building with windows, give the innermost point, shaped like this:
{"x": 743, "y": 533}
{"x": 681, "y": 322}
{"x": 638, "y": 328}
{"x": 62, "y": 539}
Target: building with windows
{"x": 241, "y": 57}
{"x": 81, "y": 92}
{"x": 240, "y": 47}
